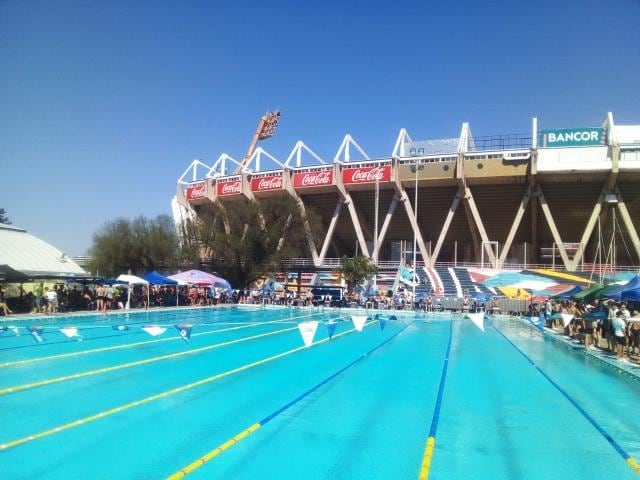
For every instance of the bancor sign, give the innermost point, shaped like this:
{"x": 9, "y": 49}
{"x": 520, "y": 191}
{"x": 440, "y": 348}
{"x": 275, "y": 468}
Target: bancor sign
{"x": 366, "y": 174}
{"x": 572, "y": 137}
{"x": 318, "y": 178}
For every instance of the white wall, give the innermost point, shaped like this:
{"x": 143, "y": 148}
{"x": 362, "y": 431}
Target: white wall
{"x": 573, "y": 158}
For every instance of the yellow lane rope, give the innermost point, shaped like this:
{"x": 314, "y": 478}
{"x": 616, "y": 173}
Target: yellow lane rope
{"x": 97, "y": 371}
{"x": 218, "y": 376}
{"x": 145, "y": 342}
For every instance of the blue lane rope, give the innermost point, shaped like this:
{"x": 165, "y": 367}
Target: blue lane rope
{"x": 621, "y": 451}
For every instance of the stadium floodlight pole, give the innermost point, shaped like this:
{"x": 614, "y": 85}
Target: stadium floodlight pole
{"x": 375, "y": 234}
{"x": 415, "y": 169}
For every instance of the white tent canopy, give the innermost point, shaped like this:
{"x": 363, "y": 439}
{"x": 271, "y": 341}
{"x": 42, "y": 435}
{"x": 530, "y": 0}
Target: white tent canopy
{"x": 133, "y": 280}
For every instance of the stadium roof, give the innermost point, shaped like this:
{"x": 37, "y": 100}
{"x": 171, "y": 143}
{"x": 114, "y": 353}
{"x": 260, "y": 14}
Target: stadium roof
{"x": 34, "y": 257}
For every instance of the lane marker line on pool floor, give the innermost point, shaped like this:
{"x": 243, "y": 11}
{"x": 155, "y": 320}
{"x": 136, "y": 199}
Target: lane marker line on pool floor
{"x": 144, "y": 342}
{"x": 617, "y": 447}
{"x": 431, "y": 440}
{"x": 183, "y": 472}
{"x": 113, "y": 368}
{"x": 173, "y": 391}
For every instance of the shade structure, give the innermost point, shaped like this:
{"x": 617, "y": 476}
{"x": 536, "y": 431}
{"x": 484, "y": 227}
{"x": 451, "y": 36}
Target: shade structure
{"x": 570, "y": 293}
{"x": 197, "y": 277}
{"x": 615, "y": 292}
{"x": 155, "y": 278}
{"x": 631, "y": 295}
{"x": 589, "y": 292}
{"x": 133, "y": 280}
{"x": 9, "y": 275}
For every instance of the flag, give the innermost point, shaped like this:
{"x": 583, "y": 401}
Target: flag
{"x": 308, "y": 331}
{"x": 383, "y": 322}
{"x": 331, "y": 327}
{"x": 36, "y": 333}
{"x": 120, "y": 328}
{"x": 185, "y": 331}
{"x": 154, "y": 330}
{"x": 70, "y": 332}
{"x": 477, "y": 319}
{"x": 358, "y": 321}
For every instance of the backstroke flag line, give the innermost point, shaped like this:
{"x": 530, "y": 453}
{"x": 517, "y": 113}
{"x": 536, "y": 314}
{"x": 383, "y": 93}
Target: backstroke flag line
{"x": 36, "y": 333}
{"x": 308, "y": 331}
{"x": 154, "y": 330}
{"x": 358, "y": 321}
{"x": 477, "y": 319}
{"x": 70, "y": 332}
{"x": 184, "y": 331}
{"x": 331, "y": 328}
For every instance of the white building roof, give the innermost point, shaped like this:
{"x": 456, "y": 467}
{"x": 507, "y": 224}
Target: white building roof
{"x": 30, "y": 255}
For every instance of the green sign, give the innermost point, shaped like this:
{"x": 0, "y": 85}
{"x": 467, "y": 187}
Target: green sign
{"x": 572, "y": 137}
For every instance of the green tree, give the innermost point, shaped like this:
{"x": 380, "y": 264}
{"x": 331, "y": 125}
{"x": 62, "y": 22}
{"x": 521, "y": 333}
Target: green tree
{"x": 139, "y": 245}
{"x": 356, "y": 270}
{"x": 246, "y": 240}
{"x": 3, "y": 217}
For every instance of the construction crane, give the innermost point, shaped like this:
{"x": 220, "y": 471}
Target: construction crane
{"x": 266, "y": 129}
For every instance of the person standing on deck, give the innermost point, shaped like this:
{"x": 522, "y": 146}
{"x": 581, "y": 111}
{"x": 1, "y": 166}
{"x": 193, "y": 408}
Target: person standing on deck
{"x": 619, "y": 329}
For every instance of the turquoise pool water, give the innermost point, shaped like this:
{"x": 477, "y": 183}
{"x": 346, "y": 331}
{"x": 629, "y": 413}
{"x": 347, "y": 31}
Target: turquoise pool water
{"x": 500, "y": 418}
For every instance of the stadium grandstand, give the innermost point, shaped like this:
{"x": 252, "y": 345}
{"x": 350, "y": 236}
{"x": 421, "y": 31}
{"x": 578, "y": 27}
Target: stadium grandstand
{"x": 550, "y": 199}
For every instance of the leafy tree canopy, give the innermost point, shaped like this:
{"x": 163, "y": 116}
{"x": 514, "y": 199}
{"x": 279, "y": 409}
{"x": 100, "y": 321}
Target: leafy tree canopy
{"x": 3, "y": 217}
{"x": 246, "y": 240}
{"x": 139, "y": 245}
{"x": 356, "y": 270}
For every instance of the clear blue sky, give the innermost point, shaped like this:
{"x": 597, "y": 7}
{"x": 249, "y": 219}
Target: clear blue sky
{"x": 104, "y": 104}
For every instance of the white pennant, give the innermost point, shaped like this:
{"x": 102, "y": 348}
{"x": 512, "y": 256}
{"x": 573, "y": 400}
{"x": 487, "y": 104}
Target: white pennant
{"x": 70, "y": 332}
{"x": 154, "y": 330}
{"x": 566, "y": 319}
{"x": 477, "y": 319}
{"x": 308, "y": 331}
{"x": 359, "y": 321}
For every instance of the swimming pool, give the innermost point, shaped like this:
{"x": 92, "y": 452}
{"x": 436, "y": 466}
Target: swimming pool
{"x": 123, "y": 404}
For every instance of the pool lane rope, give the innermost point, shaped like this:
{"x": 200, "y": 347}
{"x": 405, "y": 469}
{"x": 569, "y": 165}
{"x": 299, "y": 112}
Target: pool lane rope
{"x": 135, "y": 344}
{"x": 431, "y": 440}
{"x": 633, "y": 463}
{"x": 183, "y": 472}
{"x": 99, "y": 371}
{"x": 168, "y": 393}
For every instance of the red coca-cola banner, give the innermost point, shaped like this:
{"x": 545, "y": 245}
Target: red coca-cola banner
{"x": 313, "y": 179}
{"x": 366, "y": 174}
{"x": 262, "y": 184}
{"x": 229, "y": 187}
{"x": 196, "y": 192}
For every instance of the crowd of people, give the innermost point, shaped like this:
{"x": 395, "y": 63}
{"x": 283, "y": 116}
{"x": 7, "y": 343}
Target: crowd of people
{"x": 607, "y": 325}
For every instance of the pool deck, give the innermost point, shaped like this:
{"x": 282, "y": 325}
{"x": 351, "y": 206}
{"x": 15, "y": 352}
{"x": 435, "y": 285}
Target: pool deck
{"x": 629, "y": 368}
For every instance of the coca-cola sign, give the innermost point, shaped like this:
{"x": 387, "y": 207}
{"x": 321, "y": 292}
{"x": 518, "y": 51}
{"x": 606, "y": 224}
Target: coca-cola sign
{"x": 262, "y": 184}
{"x": 313, "y": 179}
{"x": 367, "y": 174}
{"x": 229, "y": 187}
{"x": 196, "y": 192}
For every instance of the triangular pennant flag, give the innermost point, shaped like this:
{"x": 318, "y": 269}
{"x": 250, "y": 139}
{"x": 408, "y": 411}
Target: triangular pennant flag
{"x": 154, "y": 330}
{"x": 331, "y": 328}
{"x": 70, "y": 332}
{"x": 4, "y": 328}
{"x": 358, "y": 321}
{"x": 477, "y": 319}
{"x": 393, "y": 317}
{"x": 185, "y": 331}
{"x": 36, "y": 333}
{"x": 383, "y": 322}
{"x": 120, "y": 328}
{"x": 566, "y": 319}
{"x": 308, "y": 331}
{"x": 14, "y": 329}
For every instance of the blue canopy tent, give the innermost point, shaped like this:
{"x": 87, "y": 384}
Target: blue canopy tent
{"x": 631, "y": 295}
{"x": 480, "y": 296}
{"x": 155, "y": 278}
{"x": 616, "y": 293}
